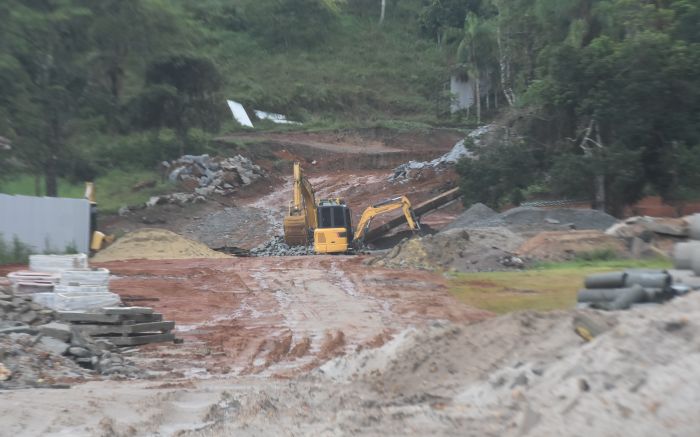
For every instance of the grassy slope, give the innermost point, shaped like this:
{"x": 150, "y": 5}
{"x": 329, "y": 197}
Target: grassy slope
{"x": 360, "y": 72}
{"x": 113, "y": 188}
{"x": 549, "y": 287}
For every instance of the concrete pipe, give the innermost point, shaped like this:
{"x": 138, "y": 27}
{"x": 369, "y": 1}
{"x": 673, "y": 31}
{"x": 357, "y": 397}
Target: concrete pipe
{"x": 648, "y": 278}
{"x": 624, "y": 299}
{"x": 682, "y": 254}
{"x": 602, "y": 294}
{"x": 606, "y": 280}
{"x": 694, "y": 226}
{"x": 695, "y": 261}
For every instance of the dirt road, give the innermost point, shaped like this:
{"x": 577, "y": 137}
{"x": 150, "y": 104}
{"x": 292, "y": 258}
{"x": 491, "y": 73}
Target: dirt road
{"x": 279, "y": 316}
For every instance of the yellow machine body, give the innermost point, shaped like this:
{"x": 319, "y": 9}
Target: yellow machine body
{"x": 331, "y": 240}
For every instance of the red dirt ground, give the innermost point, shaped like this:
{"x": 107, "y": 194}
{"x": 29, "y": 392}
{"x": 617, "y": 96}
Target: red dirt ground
{"x": 280, "y": 316}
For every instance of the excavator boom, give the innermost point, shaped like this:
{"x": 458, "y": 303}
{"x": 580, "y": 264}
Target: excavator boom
{"x": 384, "y": 207}
{"x": 302, "y": 217}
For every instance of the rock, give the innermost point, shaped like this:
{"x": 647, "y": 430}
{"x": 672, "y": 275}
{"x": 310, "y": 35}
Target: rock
{"x": 22, "y": 329}
{"x": 29, "y": 317}
{"x": 124, "y": 211}
{"x": 5, "y": 373}
{"x": 79, "y": 352}
{"x": 4, "y": 296}
{"x": 59, "y": 331}
{"x": 52, "y": 345}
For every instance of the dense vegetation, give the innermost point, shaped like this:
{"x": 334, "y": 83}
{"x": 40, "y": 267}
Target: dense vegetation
{"x": 605, "y": 98}
{"x": 600, "y": 98}
{"x": 87, "y": 86}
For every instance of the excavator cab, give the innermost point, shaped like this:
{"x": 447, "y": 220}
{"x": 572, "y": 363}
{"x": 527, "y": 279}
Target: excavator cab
{"x": 334, "y": 232}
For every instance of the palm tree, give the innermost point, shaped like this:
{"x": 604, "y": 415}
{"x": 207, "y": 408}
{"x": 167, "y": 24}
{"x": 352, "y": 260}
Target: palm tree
{"x": 476, "y": 52}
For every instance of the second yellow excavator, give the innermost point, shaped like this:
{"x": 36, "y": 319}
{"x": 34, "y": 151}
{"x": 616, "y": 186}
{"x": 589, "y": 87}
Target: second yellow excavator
{"x": 334, "y": 233}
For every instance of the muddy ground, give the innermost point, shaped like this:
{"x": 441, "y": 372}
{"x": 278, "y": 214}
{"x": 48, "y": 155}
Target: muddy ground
{"x": 278, "y": 316}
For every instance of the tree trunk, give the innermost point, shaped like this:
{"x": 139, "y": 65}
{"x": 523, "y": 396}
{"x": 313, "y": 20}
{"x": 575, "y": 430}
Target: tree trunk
{"x": 478, "y": 99}
{"x": 51, "y": 176}
{"x": 37, "y": 184}
{"x": 600, "y": 192}
{"x": 504, "y": 68}
{"x": 381, "y": 17}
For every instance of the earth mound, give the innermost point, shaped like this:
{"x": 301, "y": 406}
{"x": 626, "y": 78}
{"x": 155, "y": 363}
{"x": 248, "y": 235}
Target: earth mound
{"x": 153, "y": 243}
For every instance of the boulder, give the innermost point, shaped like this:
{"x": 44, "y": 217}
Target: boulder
{"x": 59, "y": 331}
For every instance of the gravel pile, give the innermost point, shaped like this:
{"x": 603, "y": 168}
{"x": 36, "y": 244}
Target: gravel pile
{"x": 461, "y": 250}
{"x": 475, "y": 214}
{"x": 530, "y": 220}
{"x": 34, "y": 347}
{"x": 277, "y": 247}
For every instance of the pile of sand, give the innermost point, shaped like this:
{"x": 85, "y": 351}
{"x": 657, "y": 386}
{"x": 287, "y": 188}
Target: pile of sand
{"x": 528, "y": 373}
{"x": 150, "y": 243}
{"x": 567, "y": 245}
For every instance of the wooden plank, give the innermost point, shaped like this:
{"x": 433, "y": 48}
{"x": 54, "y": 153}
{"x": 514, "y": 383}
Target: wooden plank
{"x": 141, "y": 339}
{"x": 95, "y": 330}
{"x": 128, "y": 310}
{"x": 78, "y": 317}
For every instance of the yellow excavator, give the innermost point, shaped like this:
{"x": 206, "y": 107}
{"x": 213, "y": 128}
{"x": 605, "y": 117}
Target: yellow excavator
{"x": 334, "y": 233}
{"x": 302, "y": 216}
{"x": 329, "y": 222}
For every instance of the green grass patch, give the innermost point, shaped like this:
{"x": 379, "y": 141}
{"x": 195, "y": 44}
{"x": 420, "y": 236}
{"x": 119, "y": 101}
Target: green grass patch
{"x": 114, "y": 188}
{"x": 546, "y": 287}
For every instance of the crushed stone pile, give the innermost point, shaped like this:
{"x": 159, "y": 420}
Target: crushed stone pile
{"x": 529, "y": 374}
{"x": 36, "y": 350}
{"x": 277, "y": 247}
{"x": 532, "y": 219}
{"x": 153, "y": 243}
{"x": 475, "y": 214}
{"x": 482, "y": 250}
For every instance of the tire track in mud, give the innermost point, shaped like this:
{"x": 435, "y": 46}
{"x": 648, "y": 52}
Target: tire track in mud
{"x": 280, "y": 316}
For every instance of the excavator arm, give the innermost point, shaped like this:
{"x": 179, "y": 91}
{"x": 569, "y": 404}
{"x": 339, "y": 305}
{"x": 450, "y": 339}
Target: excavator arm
{"x": 384, "y": 207}
{"x": 303, "y": 213}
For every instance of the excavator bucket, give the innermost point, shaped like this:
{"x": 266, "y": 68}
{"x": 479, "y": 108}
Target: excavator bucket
{"x": 295, "y": 231}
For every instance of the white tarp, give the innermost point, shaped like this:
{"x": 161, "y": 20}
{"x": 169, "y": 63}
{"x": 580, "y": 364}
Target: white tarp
{"x": 239, "y": 113}
{"x": 275, "y": 118}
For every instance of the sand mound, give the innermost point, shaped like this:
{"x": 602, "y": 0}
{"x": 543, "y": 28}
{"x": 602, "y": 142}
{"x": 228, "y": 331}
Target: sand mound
{"x": 151, "y": 243}
{"x": 567, "y": 245}
{"x": 529, "y": 374}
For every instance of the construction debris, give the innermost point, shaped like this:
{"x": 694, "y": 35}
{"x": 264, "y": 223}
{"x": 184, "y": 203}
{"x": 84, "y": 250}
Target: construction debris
{"x": 37, "y": 347}
{"x": 277, "y": 247}
{"x": 121, "y": 326}
{"x": 409, "y": 170}
{"x": 203, "y": 176}
{"x": 621, "y": 290}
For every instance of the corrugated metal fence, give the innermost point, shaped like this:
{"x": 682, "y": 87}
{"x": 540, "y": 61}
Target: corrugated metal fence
{"x": 46, "y": 224}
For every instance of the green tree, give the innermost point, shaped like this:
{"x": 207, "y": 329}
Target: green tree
{"x": 182, "y": 92}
